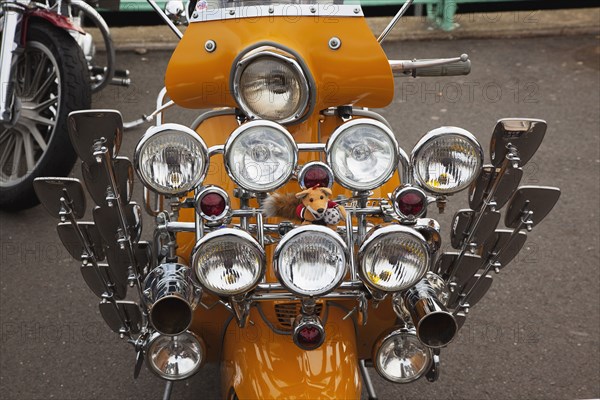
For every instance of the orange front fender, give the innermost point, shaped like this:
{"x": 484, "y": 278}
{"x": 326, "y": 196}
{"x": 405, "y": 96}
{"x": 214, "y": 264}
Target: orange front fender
{"x": 261, "y": 364}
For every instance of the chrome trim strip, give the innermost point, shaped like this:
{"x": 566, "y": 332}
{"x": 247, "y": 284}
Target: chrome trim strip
{"x": 289, "y": 11}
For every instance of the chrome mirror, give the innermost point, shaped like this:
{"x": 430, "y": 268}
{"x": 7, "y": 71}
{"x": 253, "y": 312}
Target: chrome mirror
{"x": 503, "y": 189}
{"x": 530, "y": 205}
{"x": 95, "y": 283}
{"x": 122, "y": 316}
{"x": 461, "y": 272}
{"x": 56, "y": 193}
{"x": 71, "y": 240}
{"x": 118, "y": 264}
{"x": 109, "y": 225}
{"x": 488, "y": 222}
{"x": 502, "y": 247}
{"x": 98, "y": 183}
{"x": 475, "y": 288}
{"x": 91, "y": 129}
{"x": 524, "y": 134}
{"x": 460, "y": 227}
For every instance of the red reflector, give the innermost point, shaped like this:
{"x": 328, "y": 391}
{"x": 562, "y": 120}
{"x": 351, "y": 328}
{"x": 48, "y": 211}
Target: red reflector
{"x": 411, "y": 203}
{"x": 212, "y": 204}
{"x": 316, "y": 176}
{"x": 309, "y": 336}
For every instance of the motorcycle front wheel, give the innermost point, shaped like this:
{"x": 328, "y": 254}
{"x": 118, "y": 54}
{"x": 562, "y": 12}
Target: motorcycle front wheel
{"x": 51, "y": 79}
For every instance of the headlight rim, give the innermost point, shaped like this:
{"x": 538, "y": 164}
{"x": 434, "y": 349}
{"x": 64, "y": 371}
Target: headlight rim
{"x": 269, "y": 49}
{"x": 157, "y": 130}
{"x": 240, "y": 130}
{"x": 208, "y": 189}
{"x": 362, "y": 121}
{"x": 301, "y": 230}
{"x": 434, "y": 134}
{"x": 381, "y": 233}
{"x": 238, "y": 234}
{"x": 157, "y": 335}
{"x": 387, "y": 335}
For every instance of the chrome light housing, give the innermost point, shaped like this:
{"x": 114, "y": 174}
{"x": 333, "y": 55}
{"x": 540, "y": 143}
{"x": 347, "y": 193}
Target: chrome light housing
{"x": 363, "y": 154}
{"x": 446, "y": 160}
{"x": 400, "y": 357}
{"x": 269, "y": 83}
{"x": 393, "y": 258}
{"x": 175, "y": 357}
{"x": 228, "y": 262}
{"x": 171, "y": 159}
{"x": 311, "y": 260}
{"x": 260, "y": 156}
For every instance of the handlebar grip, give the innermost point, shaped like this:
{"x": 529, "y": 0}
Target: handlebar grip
{"x": 455, "y": 69}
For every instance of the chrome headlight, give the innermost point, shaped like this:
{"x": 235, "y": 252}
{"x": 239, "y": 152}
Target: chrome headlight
{"x": 447, "y": 160}
{"x": 228, "y": 262}
{"x": 171, "y": 159}
{"x": 363, "y": 154}
{"x": 270, "y": 84}
{"x": 260, "y": 156}
{"x": 175, "y": 357}
{"x": 393, "y": 258}
{"x": 310, "y": 260}
{"x": 400, "y": 357}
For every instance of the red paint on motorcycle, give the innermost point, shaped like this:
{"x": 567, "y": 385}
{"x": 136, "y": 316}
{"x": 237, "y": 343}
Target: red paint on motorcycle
{"x": 60, "y": 21}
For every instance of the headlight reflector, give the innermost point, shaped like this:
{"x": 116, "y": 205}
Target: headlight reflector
{"x": 228, "y": 262}
{"x": 363, "y": 154}
{"x": 393, "y": 258}
{"x": 260, "y": 156}
{"x": 311, "y": 260}
{"x": 270, "y": 84}
{"x": 171, "y": 159}
{"x": 175, "y": 357}
{"x": 400, "y": 357}
{"x": 446, "y": 160}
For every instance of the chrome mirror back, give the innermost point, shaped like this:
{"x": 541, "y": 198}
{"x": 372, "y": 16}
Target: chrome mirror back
{"x": 125, "y": 317}
{"x": 72, "y": 242}
{"x": 523, "y": 134}
{"x": 98, "y": 183}
{"x": 109, "y": 224}
{"x": 91, "y": 130}
{"x": 503, "y": 246}
{"x": 508, "y": 181}
{"x": 532, "y": 203}
{"x": 61, "y": 196}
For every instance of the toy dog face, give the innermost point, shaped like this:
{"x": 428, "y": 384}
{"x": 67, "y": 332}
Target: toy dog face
{"x": 315, "y": 199}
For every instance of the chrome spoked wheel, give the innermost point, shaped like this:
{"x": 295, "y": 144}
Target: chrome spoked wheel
{"x": 50, "y": 79}
{"x": 38, "y": 90}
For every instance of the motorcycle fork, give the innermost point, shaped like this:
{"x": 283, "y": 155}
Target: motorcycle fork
{"x": 11, "y": 41}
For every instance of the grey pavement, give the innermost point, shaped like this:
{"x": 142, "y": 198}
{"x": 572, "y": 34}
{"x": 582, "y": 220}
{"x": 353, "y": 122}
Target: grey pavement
{"x": 508, "y": 24}
{"x": 535, "y": 334}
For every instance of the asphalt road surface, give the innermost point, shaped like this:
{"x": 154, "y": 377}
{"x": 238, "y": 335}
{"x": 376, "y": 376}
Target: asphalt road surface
{"x": 535, "y": 334}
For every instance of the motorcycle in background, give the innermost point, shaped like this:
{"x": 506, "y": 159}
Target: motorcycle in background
{"x": 290, "y": 209}
{"x": 48, "y": 69}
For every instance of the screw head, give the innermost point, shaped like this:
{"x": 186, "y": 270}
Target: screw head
{"x": 335, "y": 43}
{"x": 210, "y": 46}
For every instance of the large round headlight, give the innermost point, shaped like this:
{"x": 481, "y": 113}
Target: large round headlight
{"x": 171, "y": 159}
{"x": 363, "y": 154}
{"x": 393, "y": 258}
{"x": 270, "y": 84}
{"x": 447, "y": 160}
{"x": 228, "y": 262}
{"x": 175, "y": 357}
{"x": 260, "y": 156}
{"x": 310, "y": 260}
{"x": 400, "y": 357}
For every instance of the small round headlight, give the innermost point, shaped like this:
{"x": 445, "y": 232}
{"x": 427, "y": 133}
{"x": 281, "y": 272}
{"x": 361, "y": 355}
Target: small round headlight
{"x": 310, "y": 260}
{"x": 260, "y": 156}
{"x": 363, "y": 154}
{"x": 400, "y": 357}
{"x": 171, "y": 159}
{"x": 228, "y": 262}
{"x": 270, "y": 84}
{"x": 175, "y": 357}
{"x": 447, "y": 160}
{"x": 393, "y": 258}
